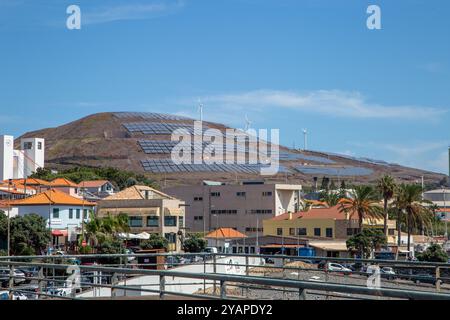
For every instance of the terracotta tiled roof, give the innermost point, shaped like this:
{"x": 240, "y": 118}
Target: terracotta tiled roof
{"x": 92, "y": 184}
{"x": 51, "y": 197}
{"x": 225, "y": 233}
{"x": 137, "y": 193}
{"x": 29, "y": 181}
{"x": 315, "y": 213}
{"x": 62, "y": 182}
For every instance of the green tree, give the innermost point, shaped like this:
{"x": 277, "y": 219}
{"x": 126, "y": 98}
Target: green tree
{"x": 386, "y": 187}
{"x": 363, "y": 204}
{"x": 195, "y": 243}
{"x": 155, "y": 242}
{"x": 410, "y": 202}
{"x": 366, "y": 241}
{"x": 29, "y": 234}
{"x": 434, "y": 253}
{"x": 325, "y": 183}
{"x": 331, "y": 198}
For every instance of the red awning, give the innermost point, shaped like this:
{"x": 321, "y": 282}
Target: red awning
{"x": 59, "y": 233}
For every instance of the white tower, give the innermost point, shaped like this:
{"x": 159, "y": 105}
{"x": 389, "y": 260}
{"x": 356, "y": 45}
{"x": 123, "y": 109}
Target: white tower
{"x": 6, "y": 157}
{"x": 34, "y": 154}
{"x": 305, "y": 139}
{"x": 19, "y": 164}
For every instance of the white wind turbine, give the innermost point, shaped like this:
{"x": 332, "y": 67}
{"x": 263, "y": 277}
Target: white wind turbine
{"x": 305, "y": 138}
{"x": 200, "y": 110}
{"x": 247, "y": 123}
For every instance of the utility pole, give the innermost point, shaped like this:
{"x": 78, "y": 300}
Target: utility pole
{"x": 9, "y": 217}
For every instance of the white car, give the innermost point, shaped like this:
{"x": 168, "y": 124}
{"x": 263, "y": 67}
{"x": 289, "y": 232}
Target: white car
{"x": 4, "y": 295}
{"x": 336, "y": 267}
{"x": 19, "y": 276}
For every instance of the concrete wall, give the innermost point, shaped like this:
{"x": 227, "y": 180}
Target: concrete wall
{"x": 63, "y": 222}
{"x": 280, "y": 201}
{"x": 182, "y": 285}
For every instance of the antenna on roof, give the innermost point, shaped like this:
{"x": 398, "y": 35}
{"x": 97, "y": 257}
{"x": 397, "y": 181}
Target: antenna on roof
{"x": 247, "y": 123}
{"x": 305, "y": 139}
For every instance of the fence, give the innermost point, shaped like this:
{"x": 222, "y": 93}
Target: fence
{"x": 213, "y": 276}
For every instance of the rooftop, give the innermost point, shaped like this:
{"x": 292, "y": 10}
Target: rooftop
{"x": 62, "y": 182}
{"x": 225, "y": 233}
{"x": 138, "y": 193}
{"x": 314, "y": 213}
{"x": 92, "y": 183}
{"x": 52, "y": 197}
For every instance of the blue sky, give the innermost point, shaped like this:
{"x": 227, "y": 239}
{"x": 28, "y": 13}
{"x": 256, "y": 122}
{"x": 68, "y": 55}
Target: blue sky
{"x": 288, "y": 64}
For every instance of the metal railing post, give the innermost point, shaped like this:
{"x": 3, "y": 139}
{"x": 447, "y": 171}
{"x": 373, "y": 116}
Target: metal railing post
{"x": 247, "y": 272}
{"x": 162, "y": 286}
{"x": 223, "y": 290}
{"x": 214, "y": 271}
{"x": 11, "y": 282}
{"x": 438, "y": 281}
{"x": 40, "y": 281}
{"x": 114, "y": 282}
{"x": 301, "y": 294}
{"x": 204, "y": 271}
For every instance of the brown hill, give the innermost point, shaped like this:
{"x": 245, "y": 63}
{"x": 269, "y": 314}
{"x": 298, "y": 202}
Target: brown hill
{"x": 116, "y": 139}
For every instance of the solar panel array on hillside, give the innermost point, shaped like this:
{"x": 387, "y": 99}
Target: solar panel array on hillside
{"x": 167, "y": 166}
{"x": 360, "y": 159}
{"x": 154, "y": 128}
{"x": 334, "y": 171}
{"x": 149, "y": 115}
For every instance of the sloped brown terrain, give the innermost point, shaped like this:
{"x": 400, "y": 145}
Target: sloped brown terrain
{"x": 102, "y": 140}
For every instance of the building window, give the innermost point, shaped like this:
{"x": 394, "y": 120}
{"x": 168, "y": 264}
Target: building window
{"x": 261, "y": 211}
{"x": 135, "y": 222}
{"x": 28, "y": 145}
{"x": 198, "y": 218}
{"x": 241, "y": 194}
{"x": 39, "y": 145}
{"x": 352, "y": 231}
{"x": 198, "y": 198}
{"x": 223, "y": 211}
{"x": 70, "y": 213}
{"x": 55, "y": 213}
{"x": 292, "y": 231}
{"x": 153, "y": 221}
{"x": 170, "y": 221}
{"x": 181, "y": 222}
{"x": 215, "y": 194}
{"x": 171, "y": 237}
{"x": 329, "y": 232}
{"x": 85, "y": 214}
{"x": 279, "y": 231}
{"x": 391, "y": 232}
{"x": 267, "y": 193}
{"x": 317, "y": 232}
{"x": 78, "y": 211}
{"x": 301, "y": 232}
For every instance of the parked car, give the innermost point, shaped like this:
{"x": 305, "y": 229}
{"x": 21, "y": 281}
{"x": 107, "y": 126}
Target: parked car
{"x": 336, "y": 267}
{"x": 63, "y": 290}
{"x": 19, "y": 276}
{"x": 29, "y": 272}
{"x": 424, "y": 278}
{"x": 4, "y": 295}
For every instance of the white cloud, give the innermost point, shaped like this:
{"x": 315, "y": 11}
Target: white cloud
{"x": 334, "y": 103}
{"x": 137, "y": 11}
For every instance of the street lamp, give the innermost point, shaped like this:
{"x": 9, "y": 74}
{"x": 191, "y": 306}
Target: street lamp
{"x": 9, "y": 217}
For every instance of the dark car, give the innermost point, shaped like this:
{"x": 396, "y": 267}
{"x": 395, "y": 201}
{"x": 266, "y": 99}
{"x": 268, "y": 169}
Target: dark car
{"x": 424, "y": 278}
{"x": 322, "y": 264}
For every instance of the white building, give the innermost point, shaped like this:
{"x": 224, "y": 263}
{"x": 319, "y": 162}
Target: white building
{"x": 19, "y": 164}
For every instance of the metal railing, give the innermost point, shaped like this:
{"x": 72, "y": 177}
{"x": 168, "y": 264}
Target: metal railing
{"x": 50, "y": 282}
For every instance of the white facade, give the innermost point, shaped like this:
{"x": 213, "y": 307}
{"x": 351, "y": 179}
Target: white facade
{"x": 18, "y": 164}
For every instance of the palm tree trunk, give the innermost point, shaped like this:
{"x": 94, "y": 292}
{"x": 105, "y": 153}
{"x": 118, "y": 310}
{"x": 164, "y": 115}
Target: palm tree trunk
{"x": 385, "y": 217}
{"x": 399, "y": 229}
{"x": 409, "y": 232}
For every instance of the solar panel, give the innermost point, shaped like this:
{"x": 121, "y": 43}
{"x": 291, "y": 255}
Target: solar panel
{"x": 167, "y": 166}
{"x": 334, "y": 171}
{"x": 149, "y": 115}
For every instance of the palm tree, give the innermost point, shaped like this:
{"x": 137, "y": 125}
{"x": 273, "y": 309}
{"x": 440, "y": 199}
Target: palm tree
{"x": 386, "y": 187}
{"x": 363, "y": 203}
{"x": 412, "y": 203}
{"x": 330, "y": 198}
